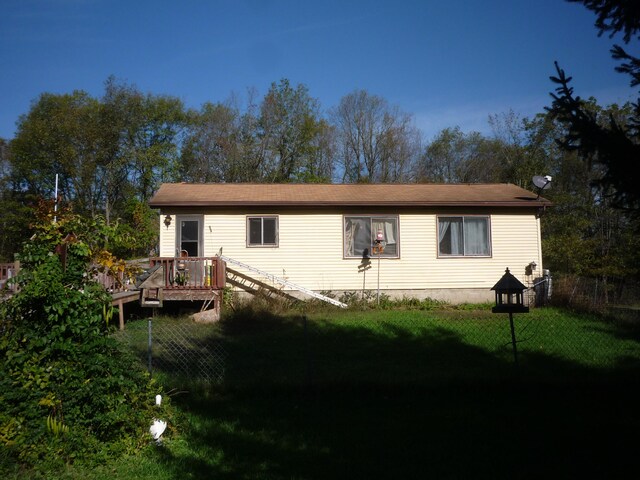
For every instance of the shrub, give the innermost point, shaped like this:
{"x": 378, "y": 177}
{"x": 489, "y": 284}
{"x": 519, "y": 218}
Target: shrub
{"x": 67, "y": 390}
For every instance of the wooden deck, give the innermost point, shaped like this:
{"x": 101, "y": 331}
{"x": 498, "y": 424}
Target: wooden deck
{"x": 171, "y": 279}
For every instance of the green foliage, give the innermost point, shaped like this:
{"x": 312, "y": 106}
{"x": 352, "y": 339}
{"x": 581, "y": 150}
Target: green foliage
{"x": 140, "y": 228}
{"x": 613, "y": 143}
{"x": 109, "y": 153}
{"x": 14, "y": 224}
{"x": 281, "y": 139}
{"x": 67, "y": 389}
{"x": 56, "y": 427}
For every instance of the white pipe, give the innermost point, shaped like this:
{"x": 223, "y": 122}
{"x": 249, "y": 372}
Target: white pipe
{"x": 55, "y": 198}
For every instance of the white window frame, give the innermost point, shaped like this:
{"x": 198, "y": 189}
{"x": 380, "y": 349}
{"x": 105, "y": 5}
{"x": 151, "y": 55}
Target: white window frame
{"x": 372, "y": 219}
{"x": 464, "y": 254}
{"x": 262, "y": 244}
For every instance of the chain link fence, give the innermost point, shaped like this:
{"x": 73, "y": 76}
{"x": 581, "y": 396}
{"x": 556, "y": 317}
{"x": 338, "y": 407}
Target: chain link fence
{"x": 596, "y": 293}
{"x": 424, "y": 348}
{"x": 414, "y": 344}
{"x": 180, "y": 350}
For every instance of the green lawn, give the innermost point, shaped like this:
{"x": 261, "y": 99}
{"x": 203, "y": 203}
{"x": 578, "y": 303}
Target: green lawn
{"x": 402, "y": 394}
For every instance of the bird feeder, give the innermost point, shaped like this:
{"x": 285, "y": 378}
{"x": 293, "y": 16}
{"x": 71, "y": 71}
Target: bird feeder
{"x": 509, "y": 295}
{"x": 510, "y": 299}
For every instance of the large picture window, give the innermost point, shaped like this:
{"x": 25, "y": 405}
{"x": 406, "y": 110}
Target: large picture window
{"x": 464, "y": 236}
{"x": 360, "y": 233}
{"x": 262, "y": 231}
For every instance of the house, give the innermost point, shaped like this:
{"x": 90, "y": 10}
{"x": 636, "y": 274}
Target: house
{"x": 446, "y": 242}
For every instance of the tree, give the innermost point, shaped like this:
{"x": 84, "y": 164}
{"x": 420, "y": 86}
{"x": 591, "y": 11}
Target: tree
{"x": 4, "y": 159}
{"x": 522, "y": 148}
{"x": 615, "y": 144}
{"x": 280, "y": 139}
{"x": 450, "y": 157}
{"x": 60, "y": 135}
{"x": 11, "y": 214}
{"x": 320, "y": 164}
{"x": 288, "y": 124}
{"x": 513, "y": 154}
{"x": 151, "y": 141}
{"x": 110, "y": 155}
{"x": 113, "y": 166}
{"x": 211, "y": 152}
{"x": 376, "y": 142}
{"x": 583, "y": 234}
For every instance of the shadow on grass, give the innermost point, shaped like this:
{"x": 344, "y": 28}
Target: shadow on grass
{"x": 319, "y": 400}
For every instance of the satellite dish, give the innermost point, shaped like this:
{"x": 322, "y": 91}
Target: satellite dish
{"x": 543, "y": 183}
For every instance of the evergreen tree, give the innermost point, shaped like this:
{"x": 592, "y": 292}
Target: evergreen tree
{"x": 615, "y": 144}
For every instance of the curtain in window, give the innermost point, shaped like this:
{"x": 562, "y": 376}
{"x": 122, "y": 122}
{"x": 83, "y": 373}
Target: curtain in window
{"x": 357, "y": 236}
{"x": 475, "y": 238}
{"x": 360, "y": 234}
{"x": 450, "y": 236}
{"x": 387, "y": 227}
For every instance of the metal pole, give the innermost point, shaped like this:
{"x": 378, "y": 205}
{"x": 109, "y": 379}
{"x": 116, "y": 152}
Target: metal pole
{"x": 513, "y": 340}
{"x": 149, "y": 348}
{"x": 307, "y": 353}
{"x": 378, "y": 294}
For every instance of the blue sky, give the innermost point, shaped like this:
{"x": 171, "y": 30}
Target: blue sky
{"x": 447, "y": 62}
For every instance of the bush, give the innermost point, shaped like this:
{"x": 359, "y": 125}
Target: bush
{"x": 67, "y": 390}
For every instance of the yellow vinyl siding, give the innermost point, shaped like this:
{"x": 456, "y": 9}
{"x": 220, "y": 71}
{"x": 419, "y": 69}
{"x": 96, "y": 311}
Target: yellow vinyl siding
{"x": 167, "y": 244}
{"x": 310, "y": 249}
{"x": 514, "y": 244}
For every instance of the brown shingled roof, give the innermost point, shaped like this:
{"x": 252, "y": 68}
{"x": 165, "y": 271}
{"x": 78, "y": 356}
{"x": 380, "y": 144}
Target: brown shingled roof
{"x": 263, "y": 194}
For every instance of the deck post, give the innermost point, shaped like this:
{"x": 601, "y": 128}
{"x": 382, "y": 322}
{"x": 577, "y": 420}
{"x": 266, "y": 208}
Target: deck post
{"x": 121, "y": 314}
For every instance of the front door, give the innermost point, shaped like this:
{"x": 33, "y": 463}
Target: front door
{"x": 189, "y": 239}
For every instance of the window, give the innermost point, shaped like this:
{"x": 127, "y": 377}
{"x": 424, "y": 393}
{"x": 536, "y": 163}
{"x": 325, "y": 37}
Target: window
{"x": 361, "y": 231}
{"x": 464, "y": 237}
{"x": 262, "y": 231}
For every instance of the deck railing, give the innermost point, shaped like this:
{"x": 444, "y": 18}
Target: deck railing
{"x": 114, "y": 284}
{"x": 8, "y": 271}
{"x": 191, "y": 273}
{"x": 180, "y": 273}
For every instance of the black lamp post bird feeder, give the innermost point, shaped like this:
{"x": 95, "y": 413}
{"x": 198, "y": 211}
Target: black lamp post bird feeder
{"x": 510, "y": 299}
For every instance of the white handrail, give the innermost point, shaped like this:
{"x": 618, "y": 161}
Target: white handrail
{"x": 284, "y": 282}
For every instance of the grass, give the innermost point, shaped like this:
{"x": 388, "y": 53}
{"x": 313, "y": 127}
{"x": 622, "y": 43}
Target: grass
{"x": 402, "y": 394}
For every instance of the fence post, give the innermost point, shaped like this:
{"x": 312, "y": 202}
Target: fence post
{"x": 513, "y": 341}
{"x": 149, "y": 343}
{"x": 307, "y": 353}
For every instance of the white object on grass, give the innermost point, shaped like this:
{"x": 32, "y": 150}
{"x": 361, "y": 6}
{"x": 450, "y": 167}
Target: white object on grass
{"x": 157, "y": 428}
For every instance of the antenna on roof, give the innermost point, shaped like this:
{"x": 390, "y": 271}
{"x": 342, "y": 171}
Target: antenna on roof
{"x": 542, "y": 183}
